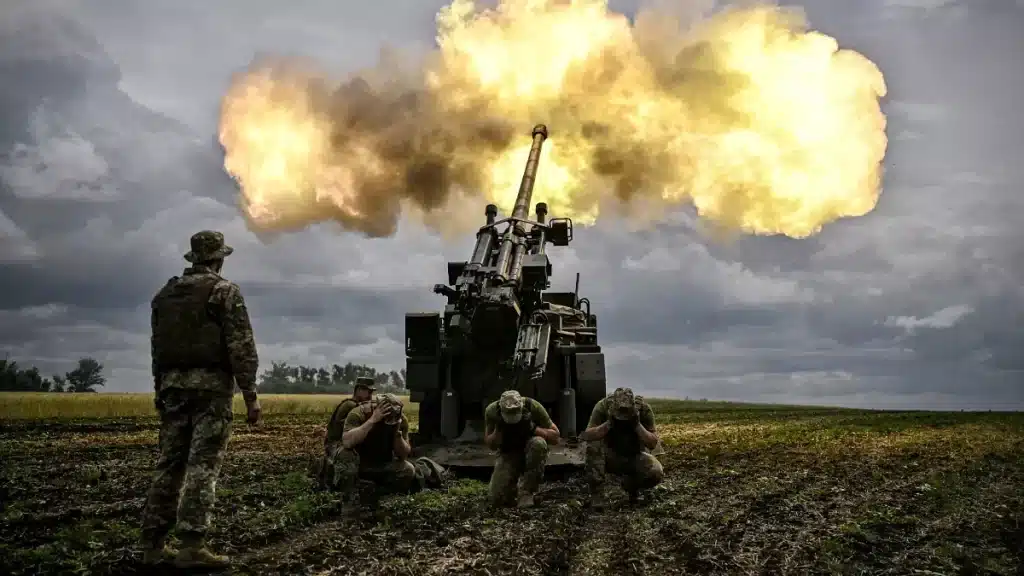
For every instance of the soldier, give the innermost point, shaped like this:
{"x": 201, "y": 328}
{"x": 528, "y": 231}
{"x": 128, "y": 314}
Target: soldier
{"x": 202, "y": 346}
{"x": 520, "y": 430}
{"x": 364, "y": 389}
{"x": 375, "y": 447}
{"x": 620, "y": 436}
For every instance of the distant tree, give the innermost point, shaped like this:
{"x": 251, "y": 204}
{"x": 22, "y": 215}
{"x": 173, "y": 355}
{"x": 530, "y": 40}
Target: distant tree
{"x": 14, "y": 378}
{"x": 31, "y": 381}
{"x": 9, "y": 375}
{"x": 59, "y": 383}
{"x": 282, "y": 378}
{"x": 398, "y": 379}
{"x": 87, "y": 377}
{"x": 323, "y": 378}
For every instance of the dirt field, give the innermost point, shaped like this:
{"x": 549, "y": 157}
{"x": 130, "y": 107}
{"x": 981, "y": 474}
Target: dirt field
{"x": 750, "y": 490}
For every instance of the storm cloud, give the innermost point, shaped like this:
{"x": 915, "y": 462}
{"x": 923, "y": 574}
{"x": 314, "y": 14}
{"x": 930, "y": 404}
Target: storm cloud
{"x": 108, "y": 163}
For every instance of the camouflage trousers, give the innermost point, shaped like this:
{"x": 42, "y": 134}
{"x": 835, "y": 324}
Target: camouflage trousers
{"x": 343, "y": 468}
{"x": 526, "y": 467}
{"x": 637, "y": 472}
{"x": 195, "y": 427}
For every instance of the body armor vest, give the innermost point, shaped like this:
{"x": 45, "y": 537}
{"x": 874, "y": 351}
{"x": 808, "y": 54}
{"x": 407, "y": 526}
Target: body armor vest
{"x": 189, "y": 335}
{"x": 623, "y": 439}
{"x": 378, "y": 447}
{"x": 515, "y": 436}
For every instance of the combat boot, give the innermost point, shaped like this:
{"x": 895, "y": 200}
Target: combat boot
{"x": 194, "y": 554}
{"x": 158, "y": 552}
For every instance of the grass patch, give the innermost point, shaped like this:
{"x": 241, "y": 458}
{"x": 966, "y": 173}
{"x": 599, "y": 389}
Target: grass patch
{"x": 58, "y": 406}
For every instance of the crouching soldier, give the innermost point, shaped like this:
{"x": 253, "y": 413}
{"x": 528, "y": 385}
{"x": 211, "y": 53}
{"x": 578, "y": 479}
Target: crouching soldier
{"x": 375, "y": 448}
{"x": 620, "y": 437}
{"x": 520, "y": 429}
{"x": 327, "y": 472}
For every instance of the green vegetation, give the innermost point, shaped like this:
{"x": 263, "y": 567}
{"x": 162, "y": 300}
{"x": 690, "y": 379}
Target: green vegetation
{"x": 749, "y": 490}
{"x": 282, "y": 378}
{"x": 51, "y": 406}
{"x": 86, "y": 377}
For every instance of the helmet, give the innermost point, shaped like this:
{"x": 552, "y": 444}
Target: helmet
{"x": 396, "y": 408}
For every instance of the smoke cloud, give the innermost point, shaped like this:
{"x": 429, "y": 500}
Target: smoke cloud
{"x": 764, "y": 126}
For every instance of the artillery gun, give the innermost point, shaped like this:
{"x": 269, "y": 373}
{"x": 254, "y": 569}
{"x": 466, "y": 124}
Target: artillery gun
{"x": 501, "y": 330}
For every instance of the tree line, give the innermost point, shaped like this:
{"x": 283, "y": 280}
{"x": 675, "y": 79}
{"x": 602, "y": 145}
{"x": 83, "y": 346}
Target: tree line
{"x": 86, "y": 377}
{"x": 280, "y": 378}
{"x": 283, "y": 378}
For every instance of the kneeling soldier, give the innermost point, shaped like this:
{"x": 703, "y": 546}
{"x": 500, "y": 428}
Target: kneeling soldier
{"x": 520, "y": 430}
{"x": 375, "y": 447}
{"x": 620, "y": 437}
{"x": 327, "y": 473}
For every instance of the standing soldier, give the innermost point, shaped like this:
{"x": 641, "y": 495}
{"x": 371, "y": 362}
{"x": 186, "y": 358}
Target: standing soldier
{"x": 620, "y": 437}
{"x": 364, "y": 389}
{"x": 202, "y": 345}
{"x": 520, "y": 429}
{"x": 375, "y": 447}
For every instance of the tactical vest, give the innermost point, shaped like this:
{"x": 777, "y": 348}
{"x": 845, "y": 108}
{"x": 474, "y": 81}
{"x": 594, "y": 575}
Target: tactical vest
{"x": 378, "y": 448}
{"x": 341, "y": 410}
{"x": 515, "y": 436}
{"x": 189, "y": 335}
{"x": 336, "y": 425}
{"x": 623, "y": 439}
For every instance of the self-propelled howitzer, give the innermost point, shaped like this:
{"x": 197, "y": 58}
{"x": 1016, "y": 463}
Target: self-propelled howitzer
{"x": 499, "y": 331}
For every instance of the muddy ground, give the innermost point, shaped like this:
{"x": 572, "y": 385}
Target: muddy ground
{"x": 749, "y": 491}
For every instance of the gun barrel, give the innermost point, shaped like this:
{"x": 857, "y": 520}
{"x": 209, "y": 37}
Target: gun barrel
{"x": 510, "y": 254}
{"x": 521, "y": 210}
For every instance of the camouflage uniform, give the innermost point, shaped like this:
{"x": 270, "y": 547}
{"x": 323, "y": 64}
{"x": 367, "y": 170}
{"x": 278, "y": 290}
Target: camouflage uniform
{"x": 522, "y": 455}
{"x": 621, "y": 453}
{"x": 373, "y": 459}
{"x": 202, "y": 345}
{"x": 327, "y": 475}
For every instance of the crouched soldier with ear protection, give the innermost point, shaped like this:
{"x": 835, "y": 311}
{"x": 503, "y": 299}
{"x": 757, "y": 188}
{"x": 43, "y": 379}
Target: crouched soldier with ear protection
{"x": 520, "y": 429}
{"x": 375, "y": 447}
{"x": 326, "y": 472}
{"x": 620, "y": 437}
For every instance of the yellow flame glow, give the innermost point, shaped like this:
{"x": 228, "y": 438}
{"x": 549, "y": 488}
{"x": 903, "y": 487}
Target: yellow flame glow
{"x": 762, "y": 125}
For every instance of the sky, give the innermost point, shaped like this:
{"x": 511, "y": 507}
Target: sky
{"x": 108, "y": 163}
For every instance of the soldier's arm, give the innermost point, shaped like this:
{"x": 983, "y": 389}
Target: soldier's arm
{"x": 356, "y": 429}
{"x": 492, "y": 436}
{"x": 546, "y": 429}
{"x": 152, "y": 349}
{"x": 401, "y": 445}
{"x": 645, "y": 427}
{"x": 240, "y": 342}
{"x": 598, "y": 426}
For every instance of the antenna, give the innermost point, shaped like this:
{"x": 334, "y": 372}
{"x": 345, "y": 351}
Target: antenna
{"x": 576, "y": 293}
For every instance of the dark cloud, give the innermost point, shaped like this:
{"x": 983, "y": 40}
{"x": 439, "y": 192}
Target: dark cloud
{"x": 108, "y": 163}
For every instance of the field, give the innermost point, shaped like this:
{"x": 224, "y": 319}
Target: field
{"x": 66, "y": 406}
{"x": 750, "y": 490}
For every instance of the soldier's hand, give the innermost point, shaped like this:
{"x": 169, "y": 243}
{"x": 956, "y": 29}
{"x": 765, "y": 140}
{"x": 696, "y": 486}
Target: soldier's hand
{"x": 380, "y": 412}
{"x": 253, "y": 412}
